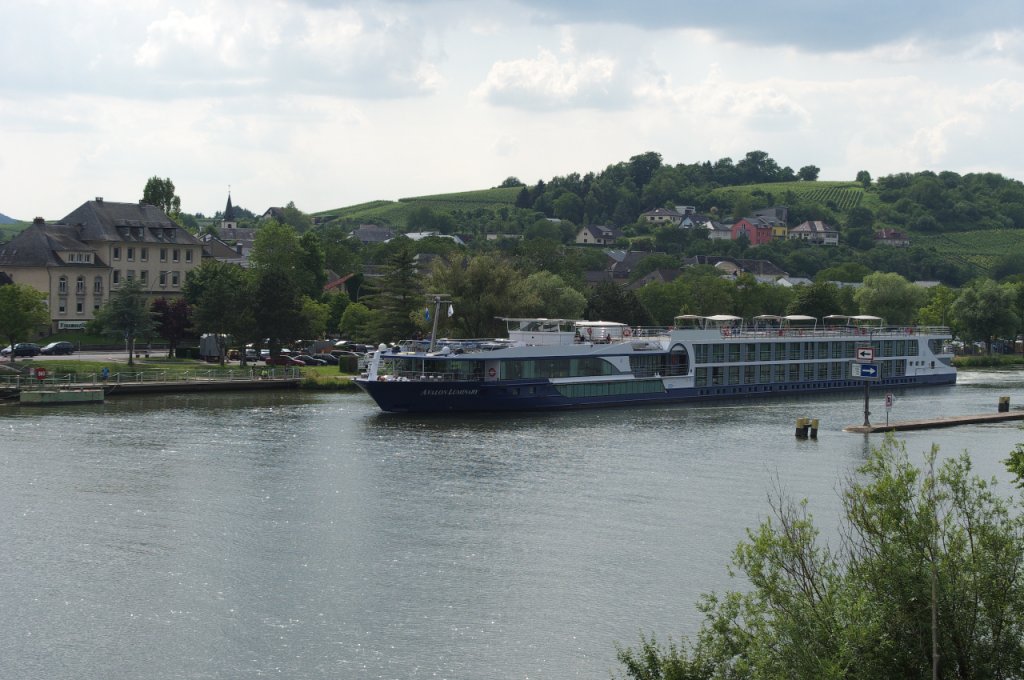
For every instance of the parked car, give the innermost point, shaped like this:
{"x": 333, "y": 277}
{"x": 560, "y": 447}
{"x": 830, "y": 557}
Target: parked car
{"x": 59, "y": 347}
{"x": 283, "y": 360}
{"x": 328, "y": 359}
{"x": 6, "y": 351}
{"x": 26, "y": 349}
{"x": 310, "y": 360}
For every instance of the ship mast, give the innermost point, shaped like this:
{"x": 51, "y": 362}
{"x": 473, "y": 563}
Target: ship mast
{"x": 439, "y": 299}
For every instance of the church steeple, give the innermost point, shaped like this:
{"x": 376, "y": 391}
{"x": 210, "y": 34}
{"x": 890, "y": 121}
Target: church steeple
{"x": 228, "y": 221}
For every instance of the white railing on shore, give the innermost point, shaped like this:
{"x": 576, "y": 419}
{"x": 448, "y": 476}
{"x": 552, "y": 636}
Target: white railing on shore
{"x": 146, "y": 377}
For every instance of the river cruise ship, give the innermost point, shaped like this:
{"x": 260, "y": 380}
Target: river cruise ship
{"x": 547, "y": 364}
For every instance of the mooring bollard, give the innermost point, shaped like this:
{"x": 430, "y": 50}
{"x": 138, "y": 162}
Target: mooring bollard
{"x": 1004, "y": 404}
{"x": 814, "y": 428}
{"x": 801, "y": 428}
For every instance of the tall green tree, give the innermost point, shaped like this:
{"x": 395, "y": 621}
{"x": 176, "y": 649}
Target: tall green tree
{"x": 481, "y": 289}
{"x": 223, "y": 298}
{"x": 818, "y": 299}
{"x": 127, "y": 315}
{"x": 891, "y": 297}
{"x": 547, "y": 295}
{"x": 398, "y": 296}
{"x": 914, "y": 543}
{"x": 22, "y": 310}
{"x": 160, "y": 192}
{"x": 173, "y": 319}
{"x": 610, "y": 302}
{"x": 985, "y": 310}
{"x": 311, "y": 271}
{"x": 280, "y": 282}
{"x": 358, "y": 322}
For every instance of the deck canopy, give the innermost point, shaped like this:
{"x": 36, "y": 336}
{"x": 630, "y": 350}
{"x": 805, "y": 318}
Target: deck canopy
{"x": 852, "y": 320}
{"x": 714, "y": 321}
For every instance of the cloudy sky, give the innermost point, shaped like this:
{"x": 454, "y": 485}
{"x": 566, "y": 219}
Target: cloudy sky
{"x": 330, "y": 103}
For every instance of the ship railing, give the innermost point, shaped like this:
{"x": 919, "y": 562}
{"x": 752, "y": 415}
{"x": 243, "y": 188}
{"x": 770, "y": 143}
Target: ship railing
{"x": 833, "y": 331}
{"x": 429, "y": 376}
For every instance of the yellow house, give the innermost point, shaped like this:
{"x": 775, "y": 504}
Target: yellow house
{"x": 93, "y": 250}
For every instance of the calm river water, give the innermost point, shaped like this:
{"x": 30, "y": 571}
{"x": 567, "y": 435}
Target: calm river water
{"x": 307, "y": 535}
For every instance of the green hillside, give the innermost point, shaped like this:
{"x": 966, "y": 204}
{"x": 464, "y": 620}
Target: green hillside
{"x": 395, "y": 212}
{"x": 978, "y": 248}
{"x": 839, "y": 196}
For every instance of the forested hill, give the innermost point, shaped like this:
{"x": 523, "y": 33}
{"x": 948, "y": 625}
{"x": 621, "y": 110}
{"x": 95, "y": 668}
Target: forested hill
{"x": 4, "y": 219}
{"x": 922, "y": 202}
{"x": 973, "y": 222}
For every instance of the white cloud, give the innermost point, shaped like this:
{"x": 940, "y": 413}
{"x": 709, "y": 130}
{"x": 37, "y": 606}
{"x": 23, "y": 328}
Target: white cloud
{"x": 330, "y": 102}
{"x": 547, "y": 82}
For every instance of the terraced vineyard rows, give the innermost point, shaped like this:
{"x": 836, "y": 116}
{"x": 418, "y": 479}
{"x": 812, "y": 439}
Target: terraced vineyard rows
{"x": 844, "y": 198}
{"x": 394, "y": 212}
{"x": 978, "y": 248}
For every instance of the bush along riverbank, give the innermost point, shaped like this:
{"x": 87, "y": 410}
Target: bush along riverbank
{"x": 989, "y": 361}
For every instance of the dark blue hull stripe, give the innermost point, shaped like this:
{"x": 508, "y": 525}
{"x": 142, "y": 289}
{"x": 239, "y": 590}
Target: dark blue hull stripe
{"x": 442, "y": 397}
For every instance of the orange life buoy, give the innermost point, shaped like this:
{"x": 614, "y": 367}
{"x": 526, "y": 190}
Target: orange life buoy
{"x": 725, "y": 332}
{"x": 626, "y": 333}
{"x": 491, "y": 372}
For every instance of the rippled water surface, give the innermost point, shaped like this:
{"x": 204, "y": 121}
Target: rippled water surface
{"x": 301, "y": 535}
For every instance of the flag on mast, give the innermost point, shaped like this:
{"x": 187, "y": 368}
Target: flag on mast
{"x": 451, "y": 311}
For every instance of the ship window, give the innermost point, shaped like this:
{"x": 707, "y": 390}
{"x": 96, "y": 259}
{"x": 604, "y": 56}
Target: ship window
{"x": 765, "y": 351}
{"x": 717, "y": 353}
{"x": 764, "y": 374}
{"x": 734, "y": 353}
{"x": 750, "y": 352}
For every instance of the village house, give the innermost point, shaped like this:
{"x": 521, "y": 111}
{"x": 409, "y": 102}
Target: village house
{"x": 662, "y": 216}
{"x": 815, "y": 231}
{"x": 597, "y": 235}
{"x": 891, "y": 237}
{"x": 757, "y": 230}
{"x": 78, "y": 261}
{"x": 372, "y": 233}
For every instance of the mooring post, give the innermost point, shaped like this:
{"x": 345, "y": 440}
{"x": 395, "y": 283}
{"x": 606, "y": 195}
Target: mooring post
{"x": 867, "y": 405}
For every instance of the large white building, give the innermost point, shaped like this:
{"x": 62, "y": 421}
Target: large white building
{"x": 79, "y": 260}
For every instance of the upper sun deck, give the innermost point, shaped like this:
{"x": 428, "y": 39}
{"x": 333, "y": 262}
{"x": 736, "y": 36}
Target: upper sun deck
{"x": 544, "y": 332}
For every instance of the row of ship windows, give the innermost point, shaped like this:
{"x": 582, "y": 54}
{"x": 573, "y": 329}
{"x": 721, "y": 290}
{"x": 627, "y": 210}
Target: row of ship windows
{"x": 781, "y": 373}
{"x": 796, "y": 351}
{"x": 611, "y": 389}
{"x": 129, "y": 253}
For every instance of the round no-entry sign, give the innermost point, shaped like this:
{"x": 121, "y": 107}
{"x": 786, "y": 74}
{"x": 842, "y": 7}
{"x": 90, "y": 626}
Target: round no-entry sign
{"x": 40, "y": 373}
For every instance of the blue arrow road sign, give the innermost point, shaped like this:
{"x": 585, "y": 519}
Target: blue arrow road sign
{"x": 864, "y": 371}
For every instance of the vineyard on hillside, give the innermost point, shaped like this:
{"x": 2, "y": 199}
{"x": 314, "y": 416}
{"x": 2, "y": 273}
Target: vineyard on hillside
{"x": 395, "y": 212}
{"x": 839, "y": 196}
{"x": 978, "y": 248}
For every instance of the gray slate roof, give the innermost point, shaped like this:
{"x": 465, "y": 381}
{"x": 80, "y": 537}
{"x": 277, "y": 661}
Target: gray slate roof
{"x": 37, "y": 246}
{"x": 101, "y": 220}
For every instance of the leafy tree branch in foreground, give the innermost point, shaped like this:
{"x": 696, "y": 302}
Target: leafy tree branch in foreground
{"x": 913, "y": 543}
